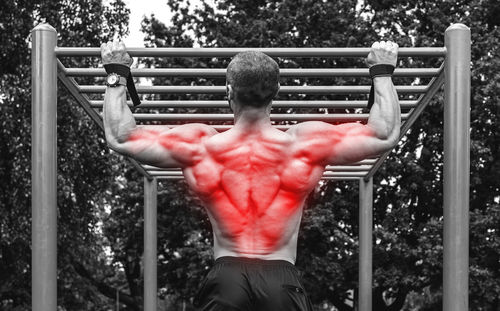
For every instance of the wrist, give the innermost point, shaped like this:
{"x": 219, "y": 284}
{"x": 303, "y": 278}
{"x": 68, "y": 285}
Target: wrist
{"x": 120, "y": 69}
{"x": 382, "y": 79}
{"x": 115, "y": 93}
{"x": 115, "y": 80}
{"x": 381, "y": 70}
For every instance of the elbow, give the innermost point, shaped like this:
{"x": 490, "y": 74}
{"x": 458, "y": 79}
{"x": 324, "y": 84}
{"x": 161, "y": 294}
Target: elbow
{"x": 381, "y": 131}
{"x": 392, "y": 139}
{"x": 113, "y": 143}
{"x": 386, "y": 131}
{"x": 113, "y": 146}
{"x": 391, "y": 144}
{"x": 387, "y": 139}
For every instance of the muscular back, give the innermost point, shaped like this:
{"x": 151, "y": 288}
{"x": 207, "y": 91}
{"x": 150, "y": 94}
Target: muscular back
{"x": 254, "y": 182}
{"x": 253, "y": 186}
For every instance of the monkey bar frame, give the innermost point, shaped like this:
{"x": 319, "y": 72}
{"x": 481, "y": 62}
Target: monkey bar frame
{"x": 454, "y": 74}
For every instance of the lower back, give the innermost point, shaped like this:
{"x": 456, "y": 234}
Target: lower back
{"x": 269, "y": 234}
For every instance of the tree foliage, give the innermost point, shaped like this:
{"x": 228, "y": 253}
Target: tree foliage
{"x": 408, "y": 188}
{"x": 100, "y": 196}
{"x": 83, "y": 170}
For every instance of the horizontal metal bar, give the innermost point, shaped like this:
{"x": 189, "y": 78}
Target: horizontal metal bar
{"x": 330, "y": 168}
{"x": 338, "y": 104}
{"x": 225, "y": 127}
{"x": 221, "y": 89}
{"x": 325, "y": 174}
{"x": 345, "y": 178}
{"x": 229, "y": 52}
{"x": 348, "y": 168}
{"x": 274, "y": 117}
{"x": 358, "y": 166}
{"x": 284, "y": 72}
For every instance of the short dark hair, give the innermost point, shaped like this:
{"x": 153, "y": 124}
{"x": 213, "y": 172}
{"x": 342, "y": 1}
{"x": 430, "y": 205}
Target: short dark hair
{"x": 254, "y": 77}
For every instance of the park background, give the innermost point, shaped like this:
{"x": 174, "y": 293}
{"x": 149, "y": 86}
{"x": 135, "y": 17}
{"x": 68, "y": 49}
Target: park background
{"x": 100, "y": 196}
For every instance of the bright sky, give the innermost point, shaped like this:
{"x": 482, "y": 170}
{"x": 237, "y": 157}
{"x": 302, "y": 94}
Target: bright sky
{"x": 139, "y": 9}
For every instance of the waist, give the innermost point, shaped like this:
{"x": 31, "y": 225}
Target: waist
{"x": 253, "y": 261}
{"x": 287, "y": 254}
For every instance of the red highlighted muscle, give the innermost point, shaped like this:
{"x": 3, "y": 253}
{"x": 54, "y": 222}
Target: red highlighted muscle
{"x": 252, "y": 184}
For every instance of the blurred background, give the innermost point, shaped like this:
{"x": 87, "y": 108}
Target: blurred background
{"x": 100, "y": 196}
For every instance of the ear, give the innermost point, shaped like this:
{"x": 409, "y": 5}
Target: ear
{"x": 230, "y": 95}
{"x": 269, "y": 107}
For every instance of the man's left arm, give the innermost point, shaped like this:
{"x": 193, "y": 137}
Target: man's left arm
{"x": 347, "y": 143}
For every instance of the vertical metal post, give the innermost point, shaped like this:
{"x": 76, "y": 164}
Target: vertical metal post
{"x": 150, "y": 257}
{"x": 365, "y": 244}
{"x": 44, "y": 168}
{"x": 456, "y": 169}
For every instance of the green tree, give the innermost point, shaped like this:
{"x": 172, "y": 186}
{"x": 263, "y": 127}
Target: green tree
{"x": 83, "y": 167}
{"x": 408, "y": 191}
{"x": 100, "y": 197}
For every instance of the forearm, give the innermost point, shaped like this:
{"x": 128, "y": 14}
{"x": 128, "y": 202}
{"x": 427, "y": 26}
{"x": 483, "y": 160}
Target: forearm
{"x": 118, "y": 119}
{"x": 385, "y": 114}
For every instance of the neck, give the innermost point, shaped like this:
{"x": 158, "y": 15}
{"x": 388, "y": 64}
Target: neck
{"x": 250, "y": 118}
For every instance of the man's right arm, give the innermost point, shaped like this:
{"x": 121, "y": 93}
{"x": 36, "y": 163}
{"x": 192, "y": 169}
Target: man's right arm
{"x": 149, "y": 144}
{"x": 325, "y": 144}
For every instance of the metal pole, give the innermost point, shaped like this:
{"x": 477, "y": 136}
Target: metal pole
{"x": 325, "y": 174}
{"x": 343, "y": 178}
{"x": 332, "y": 117}
{"x": 363, "y": 166}
{"x": 44, "y": 169}
{"x": 284, "y": 72}
{"x": 273, "y": 52}
{"x": 338, "y": 104}
{"x": 285, "y": 89}
{"x": 365, "y": 244}
{"x": 456, "y": 169}
{"x": 150, "y": 257}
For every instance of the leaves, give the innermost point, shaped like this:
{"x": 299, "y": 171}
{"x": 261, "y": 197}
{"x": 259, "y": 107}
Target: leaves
{"x": 82, "y": 166}
{"x": 408, "y": 187}
{"x": 100, "y": 197}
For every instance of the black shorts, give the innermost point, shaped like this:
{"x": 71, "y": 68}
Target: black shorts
{"x": 247, "y": 284}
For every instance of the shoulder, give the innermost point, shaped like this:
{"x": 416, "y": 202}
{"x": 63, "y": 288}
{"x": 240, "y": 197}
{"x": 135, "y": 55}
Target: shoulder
{"x": 311, "y": 129}
{"x": 192, "y": 132}
{"x": 319, "y": 129}
{"x": 314, "y": 141}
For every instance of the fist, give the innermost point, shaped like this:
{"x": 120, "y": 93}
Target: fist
{"x": 115, "y": 53}
{"x": 383, "y": 52}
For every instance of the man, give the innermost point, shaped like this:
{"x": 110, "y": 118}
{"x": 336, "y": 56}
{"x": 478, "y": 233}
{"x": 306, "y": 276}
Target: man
{"x": 253, "y": 179}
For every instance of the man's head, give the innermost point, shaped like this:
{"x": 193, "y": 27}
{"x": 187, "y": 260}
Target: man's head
{"x": 253, "y": 78}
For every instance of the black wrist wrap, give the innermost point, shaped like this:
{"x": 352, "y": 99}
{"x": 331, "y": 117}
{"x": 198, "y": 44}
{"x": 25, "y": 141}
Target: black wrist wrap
{"x": 124, "y": 71}
{"x": 380, "y": 70}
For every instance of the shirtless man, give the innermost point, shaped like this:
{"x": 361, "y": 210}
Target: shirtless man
{"x": 253, "y": 179}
